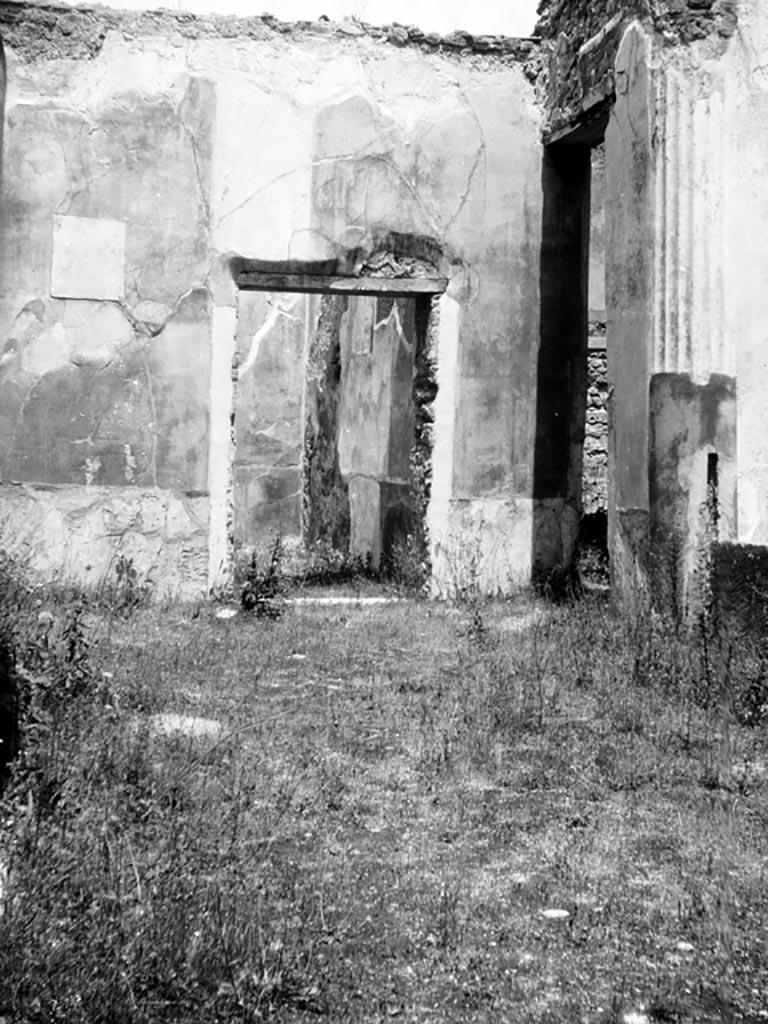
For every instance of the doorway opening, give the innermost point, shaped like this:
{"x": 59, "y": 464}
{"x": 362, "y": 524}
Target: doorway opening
{"x": 571, "y": 446}
{"x": 332, "y": 420}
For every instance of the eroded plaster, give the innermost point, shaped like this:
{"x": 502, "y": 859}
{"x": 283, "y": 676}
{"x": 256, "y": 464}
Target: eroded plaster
{"x": 181, "y": 146}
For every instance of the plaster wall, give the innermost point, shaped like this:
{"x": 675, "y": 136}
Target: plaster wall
{"x": 745, "y": 198}
{"x": 688, "y": 370}
{"x": 629, "y": 298}
{"x": 141, "y": 158}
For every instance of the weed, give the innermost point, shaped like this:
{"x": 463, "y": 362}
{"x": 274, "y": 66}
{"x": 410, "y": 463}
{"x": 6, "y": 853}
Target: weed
{"x": 263, "y": 587}
{"x": 324, "y": 565}
{"x": 558, "y": 583}
{"x": 125, "y": 592}
{"x": 287, "y": 870}
{"x": 751, "y": 699}
{"x": 448, "y": 914}
{"x": 407, "y": 563}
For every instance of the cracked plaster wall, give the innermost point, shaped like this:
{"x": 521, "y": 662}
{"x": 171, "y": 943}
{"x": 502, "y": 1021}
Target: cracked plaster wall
{"x": 209, "y": 140}
{"x": 273, "y": 332}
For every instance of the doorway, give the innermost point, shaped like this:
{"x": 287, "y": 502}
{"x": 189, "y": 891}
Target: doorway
{"x": 571, "y": 442}
{"x": 332, "y": 416}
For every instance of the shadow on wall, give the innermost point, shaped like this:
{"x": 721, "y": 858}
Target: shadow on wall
{"x": 561, "y": 380}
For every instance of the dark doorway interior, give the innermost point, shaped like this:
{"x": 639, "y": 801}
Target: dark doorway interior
{"x": 570, "y": 452}
{"x": 562, "y": 363}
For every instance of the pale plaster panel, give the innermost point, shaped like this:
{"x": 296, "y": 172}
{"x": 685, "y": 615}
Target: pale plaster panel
{"x": 365, "y": 407}
{"x": 262, "y": 175}
{"x": 88, "y": 259}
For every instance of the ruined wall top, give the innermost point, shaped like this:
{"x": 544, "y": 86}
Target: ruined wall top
{"x": 41, "y": 31}
{"x": 680, "y": 21}
{"x": 581, "y": 38}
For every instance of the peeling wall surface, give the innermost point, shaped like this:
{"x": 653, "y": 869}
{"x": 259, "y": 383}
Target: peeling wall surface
{"x": 148, "y": 409}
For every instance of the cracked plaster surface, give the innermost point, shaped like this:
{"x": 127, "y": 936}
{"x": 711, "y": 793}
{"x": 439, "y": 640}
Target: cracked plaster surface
{"x": 273, "y": 332}
{"x": 239, "y": 146}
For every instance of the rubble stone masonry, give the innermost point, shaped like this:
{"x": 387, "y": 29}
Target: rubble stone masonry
{"x": 582, "y": 38}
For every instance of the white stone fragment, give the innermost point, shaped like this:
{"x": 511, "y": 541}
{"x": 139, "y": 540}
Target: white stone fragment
{"x": 172, "y": 724}
{"x": 226, "y": 613}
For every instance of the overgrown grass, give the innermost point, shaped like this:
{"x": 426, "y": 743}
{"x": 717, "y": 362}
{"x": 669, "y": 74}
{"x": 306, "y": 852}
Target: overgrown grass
{"x": 378, "y": 809}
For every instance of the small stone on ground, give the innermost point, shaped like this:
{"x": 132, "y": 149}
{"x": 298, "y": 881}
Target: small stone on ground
{"x": 172, "y": 724}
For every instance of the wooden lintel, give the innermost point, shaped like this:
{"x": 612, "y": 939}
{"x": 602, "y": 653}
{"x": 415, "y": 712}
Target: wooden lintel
{"x": 398, "y": 286}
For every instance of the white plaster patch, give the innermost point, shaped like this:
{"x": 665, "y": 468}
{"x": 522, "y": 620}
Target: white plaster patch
{"x": 47, "y": 352}
{"x": 172, "y": 724}
{"x": 342, "y": 600}
{"x": 89, "y": 334}
{"x": 278, "y": 305}
{"x": 521, "y": 623}
{"x": 257, "y": 204}
{"x": 483, "y": 546}
{"x": 88, "y": 258}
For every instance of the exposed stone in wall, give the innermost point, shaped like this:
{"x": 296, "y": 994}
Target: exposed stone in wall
{"x": 424, "y": 393}
{"x": 595, "y": 467}
{"x": 582, "y": 38}
{"x": 595, "y": 462}
{"x": 74, "y": 534}
{"x": 326, "y": 511}
{"x": 48, "y": 31}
